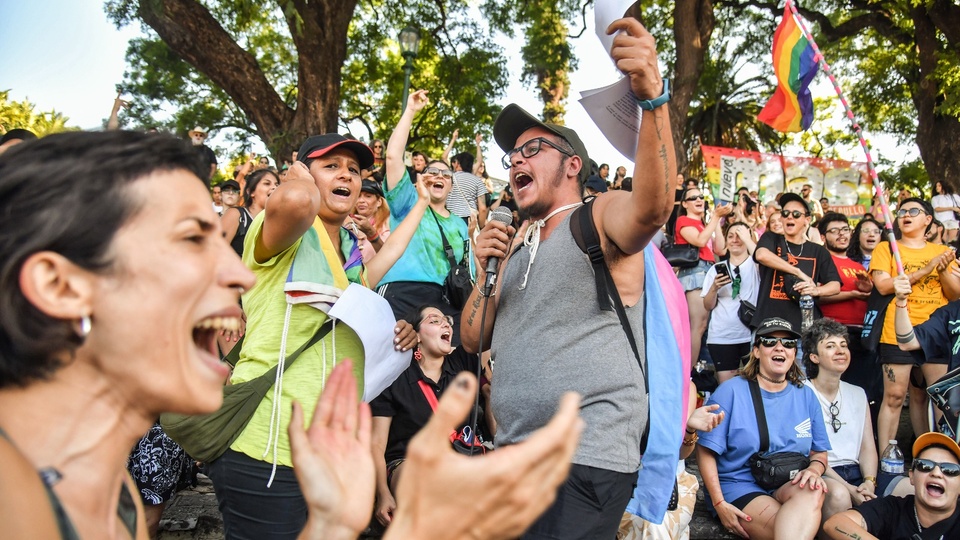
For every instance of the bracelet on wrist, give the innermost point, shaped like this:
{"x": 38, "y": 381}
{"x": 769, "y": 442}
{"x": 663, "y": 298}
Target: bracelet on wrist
{"x": 718, "y": 503}
{"x": 374, "y": 238}
{"x": 690, "y": 432}
{"x": 822, "y": 464}
{"x": 871, "y": 479}
{"x": 902, "y": 306}
{"x": 480, "y": 291}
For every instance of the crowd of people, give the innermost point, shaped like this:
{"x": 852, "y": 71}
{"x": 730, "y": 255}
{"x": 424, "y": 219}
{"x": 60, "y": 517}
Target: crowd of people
{"x": 539, "y": 398}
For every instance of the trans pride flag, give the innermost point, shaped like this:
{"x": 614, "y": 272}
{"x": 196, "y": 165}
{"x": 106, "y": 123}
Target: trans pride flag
{"x": 794, "y": 61}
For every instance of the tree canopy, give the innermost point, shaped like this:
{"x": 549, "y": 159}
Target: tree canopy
{"x": 23, "y": 115}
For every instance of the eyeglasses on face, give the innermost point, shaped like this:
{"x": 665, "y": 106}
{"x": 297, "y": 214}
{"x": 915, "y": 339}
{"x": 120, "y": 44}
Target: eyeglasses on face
{"x": 771, "y": 342}
{"x": 530, "y": 149}
{"x": 694, "y": 198}
{"x": 927, "y": 465}
{"x": 434, "y": 171}
{"x": 438, "y": 320}
{"x": 839, "y": 230}
{"x": 912, "y": 212}
{"x": 795, "y": 213}
{"x": 866, "y": 230}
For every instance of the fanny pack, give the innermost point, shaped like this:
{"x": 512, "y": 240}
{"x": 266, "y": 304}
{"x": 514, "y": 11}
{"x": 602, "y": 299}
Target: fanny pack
{"x": 205, "y": 437}
{"x": 772, "y": 470}
{"x": 465, "y": 441}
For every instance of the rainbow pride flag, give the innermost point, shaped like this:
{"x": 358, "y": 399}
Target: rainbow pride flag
{"x": 791, "y": 107}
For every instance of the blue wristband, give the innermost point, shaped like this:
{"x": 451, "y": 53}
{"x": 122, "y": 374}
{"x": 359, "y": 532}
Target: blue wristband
{"x": 651, "y": 104}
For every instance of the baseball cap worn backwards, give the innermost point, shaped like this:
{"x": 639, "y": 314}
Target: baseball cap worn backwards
{"x": 319, "y": 145}
{"x": 513, "y": 121}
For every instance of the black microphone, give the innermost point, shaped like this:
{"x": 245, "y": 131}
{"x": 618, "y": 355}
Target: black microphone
{"x": 505, "y": 216}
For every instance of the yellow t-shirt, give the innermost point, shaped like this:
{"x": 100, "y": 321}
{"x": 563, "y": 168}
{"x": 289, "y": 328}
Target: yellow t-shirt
{"x": 265, "y": 306}
{"x": 927, "y": 293}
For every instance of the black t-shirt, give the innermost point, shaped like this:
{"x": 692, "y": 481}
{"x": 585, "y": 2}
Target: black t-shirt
{"x": 892, "y": 518}
{"x": 776, "y": 288}
{"x": 209, "y": 157}
{"x": 405, "y": 403}
{"x": 939, "y": 336}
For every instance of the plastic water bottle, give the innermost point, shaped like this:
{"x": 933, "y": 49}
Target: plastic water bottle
{"x": 806, "y": 312}
{"x": 891, "y": 464}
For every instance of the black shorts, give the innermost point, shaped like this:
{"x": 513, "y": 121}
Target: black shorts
{"x": 742, "y": 501}
{"x": 891, "y": 354}
{"x": 728, "y": 357}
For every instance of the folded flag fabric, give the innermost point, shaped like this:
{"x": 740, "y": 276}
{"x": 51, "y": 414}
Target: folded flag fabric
{"x": 791, "y": 107}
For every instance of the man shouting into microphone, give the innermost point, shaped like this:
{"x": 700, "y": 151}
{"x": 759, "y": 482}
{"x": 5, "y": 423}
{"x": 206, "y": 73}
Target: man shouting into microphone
{"x": 548, "y": 334}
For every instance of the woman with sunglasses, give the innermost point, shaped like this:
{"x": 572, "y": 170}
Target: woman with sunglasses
{"x": 933, "y": 286}
{"x": 402, "y": 410}
{"x": 728, "y": 340}
{"x": 691, "y": 229}
{"x": 866, "y": 235}
{"x": 794, "y": 424}
{"x": 375, "y": 171}
{"x": 852, "y": 476}
{"x": 422, "y": 270}
{"x": 792, "y": 266}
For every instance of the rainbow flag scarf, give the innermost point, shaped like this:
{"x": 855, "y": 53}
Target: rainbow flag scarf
{"x": 794, "y": 61}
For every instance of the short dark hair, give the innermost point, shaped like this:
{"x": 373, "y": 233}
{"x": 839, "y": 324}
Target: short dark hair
{"x": 820, "y": 330}
{"x": 91, "y": 173}
{"x": 829, "y": 218}
{"x": 465, "y": 159}
{"x": 927, "y": 209}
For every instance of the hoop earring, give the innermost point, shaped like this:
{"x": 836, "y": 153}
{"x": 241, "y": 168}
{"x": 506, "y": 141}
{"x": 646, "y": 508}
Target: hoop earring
{"x": 417, "y": 355}
{"x": 85, "y": 326}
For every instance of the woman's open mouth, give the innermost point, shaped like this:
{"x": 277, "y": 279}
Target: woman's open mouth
{"x": 205, "y": 335}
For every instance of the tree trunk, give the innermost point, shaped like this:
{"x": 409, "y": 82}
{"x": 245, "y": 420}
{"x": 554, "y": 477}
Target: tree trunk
{"x": 319, "y": 30}
{"x": 938, "y": 135}
{"x": 693, "y": 26}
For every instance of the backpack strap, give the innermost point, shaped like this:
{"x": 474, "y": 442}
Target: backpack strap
{"x": 584, "y": 232}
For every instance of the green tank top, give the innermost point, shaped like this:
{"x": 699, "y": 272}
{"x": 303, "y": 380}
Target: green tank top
{"x": 126, "y": 508}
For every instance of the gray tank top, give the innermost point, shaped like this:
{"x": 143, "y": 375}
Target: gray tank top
{"x": 551, "y": 338}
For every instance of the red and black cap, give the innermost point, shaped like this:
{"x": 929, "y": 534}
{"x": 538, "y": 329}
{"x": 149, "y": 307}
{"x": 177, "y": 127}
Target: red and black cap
{"x": 320, "y": 145}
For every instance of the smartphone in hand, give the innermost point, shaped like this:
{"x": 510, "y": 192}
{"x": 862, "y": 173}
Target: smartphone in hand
{"x": 723, "y": 268}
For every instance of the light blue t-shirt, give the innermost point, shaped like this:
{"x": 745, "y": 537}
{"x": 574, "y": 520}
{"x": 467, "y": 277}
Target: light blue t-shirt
{"x": 794, "y": 423}
{"x": 424, "y": 259}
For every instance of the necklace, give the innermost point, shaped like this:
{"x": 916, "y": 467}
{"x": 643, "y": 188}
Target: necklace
{"x": 787, "y": 243}
{"x": 768, "y": 379}
{"x": 916, "y": 517}
{"x": 532, "y": 238}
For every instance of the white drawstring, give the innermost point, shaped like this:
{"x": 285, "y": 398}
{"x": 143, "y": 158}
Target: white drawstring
{"x": 532, "y": 238}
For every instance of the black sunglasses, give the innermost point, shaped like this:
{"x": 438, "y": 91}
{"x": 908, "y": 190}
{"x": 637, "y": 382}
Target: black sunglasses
{"x": 795, "y": 213}
{"x": 530, "y": 149}
{"x": 912, "y": 212}
{"x": 695, "y": 198}
{"x": 927, "y": 465}
{"x": 770, "y": 342}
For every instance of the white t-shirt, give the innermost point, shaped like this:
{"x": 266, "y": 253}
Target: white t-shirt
{"x": 944, "y": 201}
{"x": 852, "y": 404}
{"x": 725, "y": 326}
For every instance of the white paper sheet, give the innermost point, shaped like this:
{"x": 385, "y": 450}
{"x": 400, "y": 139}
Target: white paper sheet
{"x": 613, "y": 107}
{"x": 370, "y": 316}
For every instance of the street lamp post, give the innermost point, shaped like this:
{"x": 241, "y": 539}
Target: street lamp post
{"x": 409, "y": 47}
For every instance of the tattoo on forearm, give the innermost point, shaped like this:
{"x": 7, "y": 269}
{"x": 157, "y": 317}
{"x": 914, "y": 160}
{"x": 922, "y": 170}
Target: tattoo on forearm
{"x": 853, "y": 535}
{"x": 891, "y": 376}
{"x": 658, "y": 122}
{"x": 906, "y": 338}
{"x": 473, "y": 311}
{"x": 666, "y": 168}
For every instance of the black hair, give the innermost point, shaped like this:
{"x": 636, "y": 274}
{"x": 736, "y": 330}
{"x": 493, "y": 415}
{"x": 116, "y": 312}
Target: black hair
{"x": 91, "y": 174}
{"x": 626, "y": 184}
{"x": 465, "y": 159}
{"x": 855, "y": 251}
{"x": 831, "y": 217}
{"x": 252, "y": 180}
{"x": 820, "y": 330}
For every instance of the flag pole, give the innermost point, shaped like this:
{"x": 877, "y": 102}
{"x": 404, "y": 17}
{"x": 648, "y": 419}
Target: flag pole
{"x": 877, "y": 183}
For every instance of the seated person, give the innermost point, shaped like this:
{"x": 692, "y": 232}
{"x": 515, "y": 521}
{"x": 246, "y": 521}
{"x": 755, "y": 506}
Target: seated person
{"x": 402, "y": 410}
{"x": 744, "y": 508}
{"x": 931, "y": 512}
{"x": 852, "y": 476}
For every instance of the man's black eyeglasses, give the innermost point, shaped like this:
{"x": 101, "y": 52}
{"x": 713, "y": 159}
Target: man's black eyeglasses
{"x": 927, "y": 465}
{"x": 770, "y": 342}
{"x": 834, "y": 421}
{"x": 795, "y": 213}
{"x": 530, "y": 149}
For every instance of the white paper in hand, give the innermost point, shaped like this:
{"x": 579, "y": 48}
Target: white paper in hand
{"x": 370, "y": 316}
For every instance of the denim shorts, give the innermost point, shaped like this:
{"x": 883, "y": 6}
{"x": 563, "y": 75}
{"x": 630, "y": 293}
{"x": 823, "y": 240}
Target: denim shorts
{"x": 692, "y": 278}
